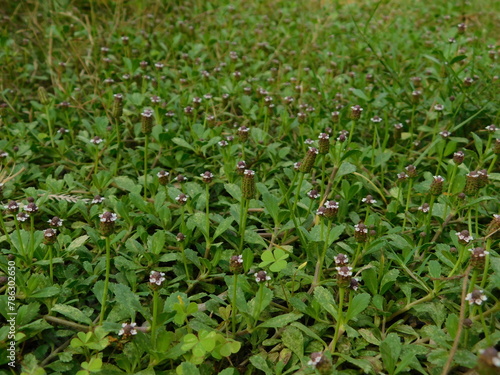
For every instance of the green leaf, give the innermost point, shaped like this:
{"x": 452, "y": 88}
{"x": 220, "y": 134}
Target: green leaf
{"x": 189, "y": 341}
{"x": 234, "y": 190}
{"x": 280, "y": 320}
{"x": 370, "y": 279}
{"x": 452, "y": 322}
{"x": 198, "y": 221}
{"x": 260, "y": 363}
{"x": 76, "y": 243}
{"x": 72, "y": 313}
{"x": 388, "y": 280}
{"x": 294, "y": 340}
{"x": 345, "y": 169}
{"x": 223, "y": 226}
{"x": 128, "y": 300}
{"x": 50, "y": 291}
{"x": 390, "y": 349}
{"x": 157, "y": 242}
{"x": 252, "y": 237}
{"x": 181, "y": 142}
{"x": 126, "y": 183}
{"x": 457, "y": 59}
{"x": 363, "y": 364}
{"x": 325, "y": 299}
{"x": 360, "y": 94}
{"x": 435, "y": 269}
{"x": 271, "y": 204}
{"x": 187, "y": 368}
{"x": 258, "y": 306}
{"x": 358, "y": 304}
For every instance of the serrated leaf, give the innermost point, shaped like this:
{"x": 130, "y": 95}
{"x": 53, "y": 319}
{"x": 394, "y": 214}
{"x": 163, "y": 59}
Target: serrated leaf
{"x": 435, "y": 269}
{"x": 72, "y": 313}
{"x": 77, "y": 242}
{"x": 50, "y": 291}
{"x": 252, "y": 237}
{"x": 234, "y": 190}
{"x": 358, "y": 304}
{"x": 294, "y": 340}
{"x": 260, "y": 363}
{"x": 325, "y": 299}
{"x": 280, "y": 320}
{"x": 181, "y": 142}
{"x": 388, "y": 279}
{"x": 271, "y": 204}
{"x": 345, "y": 169}
{"x": 126, "y": 183}
{"x": 390, "y": 349}
{"x": 223, "y": 226}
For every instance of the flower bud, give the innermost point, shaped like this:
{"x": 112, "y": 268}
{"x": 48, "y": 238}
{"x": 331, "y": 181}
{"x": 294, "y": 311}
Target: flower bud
{"x": 483, "y": 178}
{"x": 207, "y": 177}
{"x": 248, "y": 184}
{"x": 344, "y": 276}
{"x": 436, "y": 187}
{"x": 478, "y": 257}
{"x": 308, "y": 161}
{"x": 493, "y": 229}
{"x": 356, "y": 112}
{"x": 458, "y": 157}
{"x": 147, "y": 121}
{"x": 243, "y": 133}
{"x": 163, "y": 177}
{"x": 107, "y": 221}
{"x": 43, "y": 96}
{"x": 324, "y": 143}
{"x": 49, "y": 236}
{"x": 236, "y": 264}
{"x": 411, "y": 170}
{"x": 117, "y": 106}
{"x": 360, "y": 232}
{"x": 471, "y": 183}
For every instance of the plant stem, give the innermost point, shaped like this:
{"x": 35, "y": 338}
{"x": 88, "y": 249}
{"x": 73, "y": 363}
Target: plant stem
{"x": 233, "y": 302}
{"x": 408, "y": 199}
{"x": 207, "y": 221}
{"x": 146, "y": 144}
{"x": 155, "y": 318}
{"x": 51, "y": 267}
{"x": 49, "y": 124}
{"x": 258, "y": 302}
{"x": 243, "y": 220}
{"x": 32, "y": 236}
{"x": 339, "y": 320}
{"x": 106, "y": 281}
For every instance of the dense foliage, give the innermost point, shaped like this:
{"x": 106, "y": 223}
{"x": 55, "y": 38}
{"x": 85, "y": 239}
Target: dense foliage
{"x": 203, "y": 187}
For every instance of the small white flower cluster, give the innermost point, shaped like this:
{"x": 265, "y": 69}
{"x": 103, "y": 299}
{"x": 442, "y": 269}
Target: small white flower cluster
{"x": 369, "y": 200}
{"x": 466, "y": 237}
{"x": 345, "y": 271}
{"x": 476, "y": 297}
{"x": 360, "y": 228}
{"x": 128, "y": 329}
{"x": 157, "y": 278}
{"x": 261, "y": 276}
{"x": 108, "y": 217}
{"x": 182, "y": 198}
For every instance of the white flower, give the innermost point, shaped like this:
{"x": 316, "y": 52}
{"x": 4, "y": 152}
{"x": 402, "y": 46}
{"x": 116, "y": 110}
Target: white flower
{"x": 96, "y": 140}
{"x": 476, "y": 297}
{"x": 128, "y": 329}
{"x": 108, "y": 217}
{"x": 156, "y": 277}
